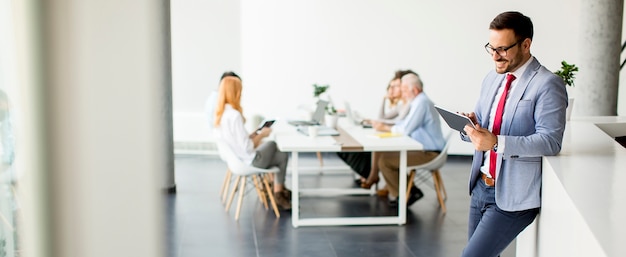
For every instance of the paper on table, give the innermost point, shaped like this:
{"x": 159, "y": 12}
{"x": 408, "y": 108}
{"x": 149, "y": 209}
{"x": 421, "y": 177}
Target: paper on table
{"x": 385, "y": 135}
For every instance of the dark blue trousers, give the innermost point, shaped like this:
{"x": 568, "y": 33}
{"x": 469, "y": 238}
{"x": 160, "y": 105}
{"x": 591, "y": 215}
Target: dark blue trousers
{"x": 491, "y": 229}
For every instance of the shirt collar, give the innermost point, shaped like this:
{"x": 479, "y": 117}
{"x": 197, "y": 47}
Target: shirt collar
{"x": 520, "y": 71}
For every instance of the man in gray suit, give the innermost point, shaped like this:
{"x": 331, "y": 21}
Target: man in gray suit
{"x": 520, "y": 117}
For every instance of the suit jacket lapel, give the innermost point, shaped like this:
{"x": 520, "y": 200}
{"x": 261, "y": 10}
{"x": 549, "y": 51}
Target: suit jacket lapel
{"x": 516, "y": 95}
{"x": 493, "y": 90}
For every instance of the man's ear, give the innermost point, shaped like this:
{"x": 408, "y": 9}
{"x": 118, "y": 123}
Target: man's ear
{"x": 526, "y": 44}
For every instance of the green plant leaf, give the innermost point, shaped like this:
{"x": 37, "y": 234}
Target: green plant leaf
{"x": 567, "y": 73}
{"x": 319, "y": 90}
{"x": 331, "y": 110}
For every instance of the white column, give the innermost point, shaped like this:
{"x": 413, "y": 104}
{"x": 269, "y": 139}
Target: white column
{"x": 600, "y": 46}
{"x": 93, "y": 148}
{"x": 166, "y": 97}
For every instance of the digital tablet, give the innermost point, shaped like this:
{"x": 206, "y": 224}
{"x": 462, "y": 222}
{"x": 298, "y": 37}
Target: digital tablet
{"x": 266, "y": 123}
{"x": 455, "y": 121}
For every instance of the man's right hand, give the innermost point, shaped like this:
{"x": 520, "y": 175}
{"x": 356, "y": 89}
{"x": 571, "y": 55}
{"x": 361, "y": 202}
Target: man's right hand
{"x": 482, "y": 138}
{"x": 380, "y": 126}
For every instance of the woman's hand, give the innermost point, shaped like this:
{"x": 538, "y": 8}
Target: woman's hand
{"x": 257, "y": 136}
{"x": 265, "y": 131}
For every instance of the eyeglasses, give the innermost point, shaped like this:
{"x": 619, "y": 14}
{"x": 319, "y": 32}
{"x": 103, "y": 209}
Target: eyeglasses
{"x": 501, "y": 51}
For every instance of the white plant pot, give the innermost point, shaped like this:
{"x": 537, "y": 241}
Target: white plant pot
{"x": 570, "y": 106}
{"x": 331, "y": 121}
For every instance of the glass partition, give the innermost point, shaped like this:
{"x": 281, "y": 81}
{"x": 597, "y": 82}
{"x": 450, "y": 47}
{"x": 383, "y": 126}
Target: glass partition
{"x": 9, "y": 207}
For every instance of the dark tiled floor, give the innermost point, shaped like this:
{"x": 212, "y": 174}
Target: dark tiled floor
{"x": 199, "y": 226}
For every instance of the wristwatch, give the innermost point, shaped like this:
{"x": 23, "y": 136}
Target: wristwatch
{"x": 495, "y": 147}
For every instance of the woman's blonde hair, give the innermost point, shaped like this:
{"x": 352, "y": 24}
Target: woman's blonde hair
{"x": 229, "y": 93}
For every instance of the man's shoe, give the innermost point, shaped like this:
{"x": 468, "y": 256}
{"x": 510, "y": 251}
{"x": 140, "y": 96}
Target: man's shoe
{"x": 416, "y": 194}
{"x": 282, "y": 201}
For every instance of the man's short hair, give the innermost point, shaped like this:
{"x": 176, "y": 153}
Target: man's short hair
{"x": 400, "y": 73}
{"x": 414, "y": 80}
{"x": 229, "y": 74}
{"x": 521, "y": 25}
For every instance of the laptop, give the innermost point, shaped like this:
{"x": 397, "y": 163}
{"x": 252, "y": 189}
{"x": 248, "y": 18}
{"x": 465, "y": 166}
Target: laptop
{"x": 317, "y": 117}
{"x": 355, "y": 117}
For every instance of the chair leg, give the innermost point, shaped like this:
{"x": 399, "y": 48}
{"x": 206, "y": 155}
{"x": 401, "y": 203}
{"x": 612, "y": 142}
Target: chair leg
{"x": 438, "y": 187}
{"x": 409, "y": 185}
{"x": 242, "y": 191}
{"x": 271, "y": 195}
{"x": 224, "y": 189}
{"x": 443, "y": 188}
{"x": 319, "y": 157}
{"x": 259, "y": 189}
{"x": 7, "y": 223}
{"x": 232, "y": 193}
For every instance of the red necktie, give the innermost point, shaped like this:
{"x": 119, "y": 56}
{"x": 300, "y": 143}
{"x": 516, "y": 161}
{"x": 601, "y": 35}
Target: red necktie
{"x": 497, "y": 123}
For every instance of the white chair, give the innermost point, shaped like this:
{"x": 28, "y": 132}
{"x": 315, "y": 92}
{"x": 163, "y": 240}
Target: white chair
{"x": 244, "y": 172}
{"x": 225, "y": 185}
{"x": 433, "y": 167}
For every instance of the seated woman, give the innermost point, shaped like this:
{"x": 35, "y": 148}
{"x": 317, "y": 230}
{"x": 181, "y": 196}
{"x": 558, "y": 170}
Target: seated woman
{"x": 393, "y": 107}
{"x": 229, "y": 127}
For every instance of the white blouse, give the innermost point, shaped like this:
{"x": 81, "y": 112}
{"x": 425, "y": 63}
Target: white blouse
{"x": 232, "y": 131}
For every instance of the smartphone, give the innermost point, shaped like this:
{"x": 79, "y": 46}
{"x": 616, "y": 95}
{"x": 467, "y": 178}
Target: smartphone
{"x": 267, "y": 123}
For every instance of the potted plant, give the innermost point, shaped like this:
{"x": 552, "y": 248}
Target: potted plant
{"x": 318, "y": 90}
{"x": 568, "y": 74}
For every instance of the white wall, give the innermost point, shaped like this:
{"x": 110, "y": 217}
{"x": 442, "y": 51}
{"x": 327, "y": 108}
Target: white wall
{"x": 206, "y": 41}
{"x": 355, "y": 46}
{"x": 352, "y": 45}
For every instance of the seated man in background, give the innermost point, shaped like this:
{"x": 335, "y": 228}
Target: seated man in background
{"x": 393, "y": 108}
{"x": 421, "y": 124}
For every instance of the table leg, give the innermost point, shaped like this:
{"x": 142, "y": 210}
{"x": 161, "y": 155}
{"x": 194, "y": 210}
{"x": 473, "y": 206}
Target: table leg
{"x": 402, "y": 189}
{"x": 295, "y": 188}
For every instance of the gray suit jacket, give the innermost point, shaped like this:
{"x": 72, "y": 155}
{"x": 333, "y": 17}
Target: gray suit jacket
{"x": 533, "y": 126}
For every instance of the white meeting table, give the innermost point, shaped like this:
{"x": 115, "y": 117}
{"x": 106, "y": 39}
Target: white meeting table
{"x": 352, "y": 138}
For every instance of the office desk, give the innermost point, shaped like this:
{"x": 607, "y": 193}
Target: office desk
{"x": 352, "y": 139}
{"x": 583, "y": 194}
